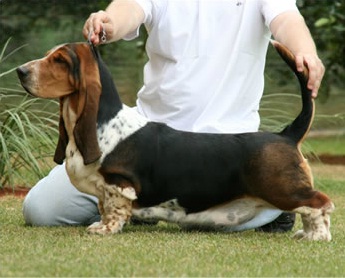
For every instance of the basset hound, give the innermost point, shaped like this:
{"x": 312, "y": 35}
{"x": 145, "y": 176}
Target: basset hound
{"x": 148, "y": 170}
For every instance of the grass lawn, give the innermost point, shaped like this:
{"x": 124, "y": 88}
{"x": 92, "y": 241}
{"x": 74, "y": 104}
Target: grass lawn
{"x": 334, "y": 145}
{"x": 165, "y": 250}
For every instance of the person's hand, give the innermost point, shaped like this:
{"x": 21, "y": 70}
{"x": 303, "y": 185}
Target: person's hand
{"x": 316, "y": 70}
{"x": 96, "y": 25}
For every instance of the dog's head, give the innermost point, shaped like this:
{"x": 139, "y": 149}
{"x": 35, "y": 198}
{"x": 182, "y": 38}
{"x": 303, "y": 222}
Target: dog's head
{"x": 69, "y": 71}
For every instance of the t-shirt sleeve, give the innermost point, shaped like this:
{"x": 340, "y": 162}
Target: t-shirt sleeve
{"x": 272, "y": 8}
{"x": 152, "y": 10}
{"x": 146, "y": 5}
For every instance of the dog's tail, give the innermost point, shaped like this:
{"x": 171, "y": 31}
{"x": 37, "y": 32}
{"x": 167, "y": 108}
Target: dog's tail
{"x": 299, "y": 128}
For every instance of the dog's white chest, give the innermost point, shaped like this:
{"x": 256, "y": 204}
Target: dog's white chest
{"x": 85, "y": 178}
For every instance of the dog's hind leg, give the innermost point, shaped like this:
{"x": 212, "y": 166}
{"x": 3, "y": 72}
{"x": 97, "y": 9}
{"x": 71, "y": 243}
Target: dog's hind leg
{"x": 237, "y": 215}
{"x": 316, "y": 222}
{"x": 314, "y": 207}
{"x": 169, "y": 211}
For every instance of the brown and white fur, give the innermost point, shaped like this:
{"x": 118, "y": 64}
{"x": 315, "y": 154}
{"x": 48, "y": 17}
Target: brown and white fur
{"x": 227, "y": 182}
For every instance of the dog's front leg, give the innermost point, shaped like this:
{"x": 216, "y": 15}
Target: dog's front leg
{"x": 115, "y": 210}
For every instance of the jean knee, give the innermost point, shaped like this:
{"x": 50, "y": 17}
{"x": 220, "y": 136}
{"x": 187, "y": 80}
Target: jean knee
{"x": 54, "y": 201}
{"x": 37, "y": 213}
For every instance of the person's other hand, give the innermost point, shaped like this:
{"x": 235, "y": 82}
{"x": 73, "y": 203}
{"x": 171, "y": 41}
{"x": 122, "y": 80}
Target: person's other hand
{"x": 316, "y": 70}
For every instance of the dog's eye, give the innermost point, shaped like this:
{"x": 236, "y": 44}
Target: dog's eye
{"x": 59, "y": 59}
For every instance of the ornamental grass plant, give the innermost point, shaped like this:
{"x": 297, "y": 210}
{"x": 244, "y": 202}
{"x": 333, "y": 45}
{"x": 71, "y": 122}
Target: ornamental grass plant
{"x": 28, "y": 132}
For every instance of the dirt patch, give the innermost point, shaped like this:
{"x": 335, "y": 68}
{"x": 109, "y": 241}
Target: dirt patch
{"x": 332, "y": 159}
{"x": 16, "y": 191}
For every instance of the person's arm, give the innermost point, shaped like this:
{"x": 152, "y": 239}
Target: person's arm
{"x": 290, "y": 29}
{"x": 120, "y": 18}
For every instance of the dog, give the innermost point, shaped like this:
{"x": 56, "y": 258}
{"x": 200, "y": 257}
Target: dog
{"x": 148, "y": 170}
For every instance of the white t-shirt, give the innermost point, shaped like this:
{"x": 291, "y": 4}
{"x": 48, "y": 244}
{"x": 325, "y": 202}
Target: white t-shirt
{"x": 206, "y": 62}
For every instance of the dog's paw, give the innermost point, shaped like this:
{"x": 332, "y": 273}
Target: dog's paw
{"x": 302, "y": 235}
{"x": 96, "y": 228}
{"x": 112, "y": 227}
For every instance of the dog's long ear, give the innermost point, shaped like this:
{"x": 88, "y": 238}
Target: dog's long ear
{"x": 89, "y": 91}
{"x": 60, "y": 151}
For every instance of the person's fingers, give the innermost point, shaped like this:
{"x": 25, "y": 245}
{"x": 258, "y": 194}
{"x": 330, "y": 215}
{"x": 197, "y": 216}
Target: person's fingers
{"x": 316, "y": 71}
{"x": 299, "y": 62}
{"x": 95, "y": 25}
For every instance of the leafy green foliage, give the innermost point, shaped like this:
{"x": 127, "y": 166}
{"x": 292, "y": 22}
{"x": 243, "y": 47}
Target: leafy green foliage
{"x": 20, "y": 16}
{"x": 326, "y": 21}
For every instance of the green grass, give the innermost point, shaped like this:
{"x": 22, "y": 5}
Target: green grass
{"x": 165, "y": 250}
{"x": 334, "y": 145}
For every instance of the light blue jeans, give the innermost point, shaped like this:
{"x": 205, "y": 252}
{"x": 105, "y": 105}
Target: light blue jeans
{"x": 54, "y": 201}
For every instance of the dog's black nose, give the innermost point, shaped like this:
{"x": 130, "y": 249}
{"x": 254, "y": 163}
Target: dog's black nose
{"x": 22, "y": 72}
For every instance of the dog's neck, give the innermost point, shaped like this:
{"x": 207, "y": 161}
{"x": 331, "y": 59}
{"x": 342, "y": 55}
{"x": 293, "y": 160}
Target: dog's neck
{"x": 126, "y": 122}
{"x": 115, "y": 121}
{"x": 110, "y": 102}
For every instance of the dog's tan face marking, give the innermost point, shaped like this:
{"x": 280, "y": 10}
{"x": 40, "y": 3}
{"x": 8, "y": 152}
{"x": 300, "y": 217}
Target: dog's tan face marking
{"x": 50, "y": 76}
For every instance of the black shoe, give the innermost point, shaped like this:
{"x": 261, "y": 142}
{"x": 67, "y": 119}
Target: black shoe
{"x": 283, "y": 223}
